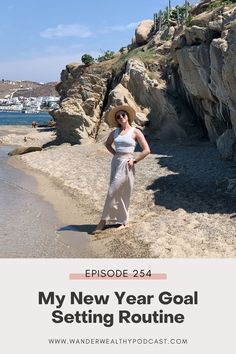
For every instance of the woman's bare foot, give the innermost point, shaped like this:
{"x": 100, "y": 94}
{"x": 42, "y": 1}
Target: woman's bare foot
{"x": 122, "y": 226}
{"x": 100, "y": 227}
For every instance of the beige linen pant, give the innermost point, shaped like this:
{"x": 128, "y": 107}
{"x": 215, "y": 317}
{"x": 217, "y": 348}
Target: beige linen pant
{"x": 120, "y": 190}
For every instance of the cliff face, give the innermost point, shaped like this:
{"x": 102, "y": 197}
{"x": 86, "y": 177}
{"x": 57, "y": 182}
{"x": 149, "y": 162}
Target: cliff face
{"x": 181, "y": 81}
{"x": 204, "y": 63}
{"x": 82, "y": 90}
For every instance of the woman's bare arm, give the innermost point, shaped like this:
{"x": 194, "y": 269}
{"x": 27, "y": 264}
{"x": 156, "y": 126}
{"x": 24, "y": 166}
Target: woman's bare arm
{"x": 143, "y": 143}
{"x": 109, "y": 143}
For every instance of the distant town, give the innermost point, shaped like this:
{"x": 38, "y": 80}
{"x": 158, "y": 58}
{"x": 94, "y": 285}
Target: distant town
{"x": 27, "y": 96}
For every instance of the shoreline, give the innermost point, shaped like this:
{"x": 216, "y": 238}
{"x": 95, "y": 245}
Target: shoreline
{"x": 30, "y": 223}
{"x": 63, "y": 204}
{"x": 20, "y": 111}
{"x": 179, "y": 209}
{"x": 68, "y": 210}
{"x": 14, "y": 129}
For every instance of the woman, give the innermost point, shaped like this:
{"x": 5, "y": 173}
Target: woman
{"x": 124, "y": 138}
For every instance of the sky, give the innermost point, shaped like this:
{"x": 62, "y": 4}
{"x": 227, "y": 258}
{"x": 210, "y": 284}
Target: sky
{"x": 39, "y": 37}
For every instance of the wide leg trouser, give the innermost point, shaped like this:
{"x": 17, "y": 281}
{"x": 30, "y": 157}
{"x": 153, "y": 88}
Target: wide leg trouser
{"x": 120, "y": 190}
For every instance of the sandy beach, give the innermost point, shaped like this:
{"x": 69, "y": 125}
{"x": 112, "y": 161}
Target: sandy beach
{"x": 180, "y": 207}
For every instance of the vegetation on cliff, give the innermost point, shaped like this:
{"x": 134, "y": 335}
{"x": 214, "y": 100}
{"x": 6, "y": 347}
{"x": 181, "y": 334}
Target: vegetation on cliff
{"x": 87, "y": 59}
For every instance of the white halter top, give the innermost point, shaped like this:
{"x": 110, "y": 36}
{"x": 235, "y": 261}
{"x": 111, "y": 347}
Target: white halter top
{"x": 124, "y": 143}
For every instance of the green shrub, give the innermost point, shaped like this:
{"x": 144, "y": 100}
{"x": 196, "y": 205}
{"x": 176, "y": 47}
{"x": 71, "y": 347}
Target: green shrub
{"x": 87, "y": 59}
{"x": 147, "y": 57}
{"x": 188, "y": 21}
{"x": 122, "y": 49}
{"x": 109, "y": 54}
{"x": 219, "y": 3}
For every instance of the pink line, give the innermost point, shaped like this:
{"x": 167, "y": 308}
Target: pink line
{"x": 81, "y": 276}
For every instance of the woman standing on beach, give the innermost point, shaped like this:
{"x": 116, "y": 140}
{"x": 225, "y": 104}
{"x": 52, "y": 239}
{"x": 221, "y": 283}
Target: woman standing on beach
{"x": 124, "y": 138}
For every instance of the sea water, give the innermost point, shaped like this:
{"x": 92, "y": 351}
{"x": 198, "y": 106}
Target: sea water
{"x": 28, "y": 224}
{"x": 18, "y": 118}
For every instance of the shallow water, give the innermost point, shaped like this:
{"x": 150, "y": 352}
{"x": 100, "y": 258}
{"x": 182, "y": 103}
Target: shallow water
{"x": 28, "y": 224}
{"x": 18, "y": 118}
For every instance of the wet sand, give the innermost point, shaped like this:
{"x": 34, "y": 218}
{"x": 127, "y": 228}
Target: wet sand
{"x": 70, "y": 230}
{"x": 14, "y": 129}
{"x": 31, "y": 226}
{"x": 36, "y": 216}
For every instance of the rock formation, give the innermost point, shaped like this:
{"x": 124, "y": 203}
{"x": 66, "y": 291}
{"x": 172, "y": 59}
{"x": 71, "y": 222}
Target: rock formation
{"x": 82, "y": 90}
{"x": 142, "y": 32}
{"x": 181, "y": 81}
{"x": 24, "y": 150}
{"x": 204, "y": 56}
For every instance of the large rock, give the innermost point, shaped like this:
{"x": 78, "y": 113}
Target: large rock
{"x": 194, "y": 68}
{"x": 83, "y": 91}
{"x": 142, "y": 32}
{"x": 204, "y": 18}
{"x": 199, "y": 7}
{"x": 197, "y": 35}
{"x": 206, "y": 67}
{"x": 147, "y": 96}
{"x": 24, "y": 150}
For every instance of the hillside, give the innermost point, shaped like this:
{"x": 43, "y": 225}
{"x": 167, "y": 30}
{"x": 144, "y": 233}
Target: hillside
{"x": 26, "y": 89}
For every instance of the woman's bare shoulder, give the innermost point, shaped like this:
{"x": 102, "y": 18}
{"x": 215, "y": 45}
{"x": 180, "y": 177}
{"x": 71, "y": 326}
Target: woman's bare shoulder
{"x": 138, "y": 132}
{"x": 112, "y": 135}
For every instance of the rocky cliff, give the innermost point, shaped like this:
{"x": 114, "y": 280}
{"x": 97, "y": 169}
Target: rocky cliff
{"x": 181, "y": 80}
{"x": 204, "y": 72}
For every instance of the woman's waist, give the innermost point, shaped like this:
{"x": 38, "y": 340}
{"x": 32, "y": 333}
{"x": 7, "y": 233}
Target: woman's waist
{"x": 124, "y": 154}
{"x": 128, "y": 150}
{"x": 125, "y": 147}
